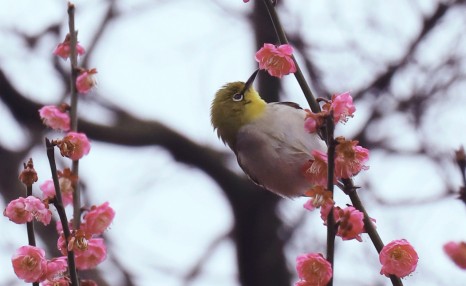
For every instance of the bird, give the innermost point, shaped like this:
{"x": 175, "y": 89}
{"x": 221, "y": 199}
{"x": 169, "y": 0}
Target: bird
{"x": 269, "y": 139}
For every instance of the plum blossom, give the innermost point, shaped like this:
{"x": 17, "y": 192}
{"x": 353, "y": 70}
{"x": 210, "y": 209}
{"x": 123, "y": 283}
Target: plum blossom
{"x": 55, "y": 274}
{"x": 86, "y": 80}
{"x": 23, "y": 210}
{"x": 350, "y": 223}
{"x": 38, "y": 209}
{"x": 457, "y": 252}
{"x": 98, "y": 219}
{"x": 398, "y": 258}
{"x": 277, "y": 61}
{"x": 55, "y": 117}
{"x": 349, "y": 158}
{"x": 313, "y": 269}
{"x": 29, "y": 263}
{"x": 313, "y": 121}
{"x": 74, "y": 145}
{"x": 16, "y": 212}
{"x": 342, "y": 107}
{"x": 315, "y": 170}
{"x": 94, "y": 254}
{"x": 65, "y": 179}
{"x": 63, "y": 49}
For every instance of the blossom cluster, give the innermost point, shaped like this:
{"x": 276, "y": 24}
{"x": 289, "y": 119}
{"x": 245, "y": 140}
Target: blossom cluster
{"x": 23, "y": 210}
{"x": 398, "y": 257}
{"x": 29, "y": 262}
{"x": 86, "y": 79}
{"x": 30, "y": 265}
{"x": 88, "y": 246}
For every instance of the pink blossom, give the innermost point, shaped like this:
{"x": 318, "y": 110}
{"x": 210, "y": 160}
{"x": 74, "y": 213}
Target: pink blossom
{"x": 314, "y": 269}
{"x": 74, "y": 145}
{"x": 61, "y": 243}
{"x": 245, "y": 1}
{"x": 350, "y": 223}
{"x": 276, "y": 60}
{"x": 342, "y": 107}
{"x": 98, "y": 219}
{"x": 16, "y": 211}
{"x": 38, "y": 209}
{"x": 56, "y": 269}
{"x": 66, "y": 189}
{"x": 313, "y": 121}
{"x": 86, "y": 81}
{"x": 349, "y": 158}
{"x": 457, "y": 252}
{"x": 55, "y": 118}
{"x": 95, "y": 253}
{"x": 29, "y": 263}
{"x": 48, "y": 189}
{"x": 398, "y": 258}
{"x": 316, "y": 170}
{"x": 63, "y": 49}
{"x": 24, "y": 210}
{"x": 59, "y": 226}
{"x": 319, "y": 197}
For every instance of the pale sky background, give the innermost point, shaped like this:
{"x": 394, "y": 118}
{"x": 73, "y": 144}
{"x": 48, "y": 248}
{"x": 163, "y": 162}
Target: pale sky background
{"x": 165, "y": 61}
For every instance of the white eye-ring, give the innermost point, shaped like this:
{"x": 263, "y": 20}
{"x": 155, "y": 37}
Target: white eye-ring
{"x": 237, "y": 97}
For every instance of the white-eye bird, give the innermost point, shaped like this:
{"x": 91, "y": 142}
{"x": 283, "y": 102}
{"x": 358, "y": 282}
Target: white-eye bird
{"x": 268, "y": 139}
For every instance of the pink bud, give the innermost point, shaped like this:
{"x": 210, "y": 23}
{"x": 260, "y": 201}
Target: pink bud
{"x": 63, "y": 49}
{"x": 86, "y": 81}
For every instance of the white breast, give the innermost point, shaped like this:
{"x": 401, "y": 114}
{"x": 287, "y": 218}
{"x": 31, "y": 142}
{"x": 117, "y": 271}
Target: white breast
{"x": 273, "y": 149}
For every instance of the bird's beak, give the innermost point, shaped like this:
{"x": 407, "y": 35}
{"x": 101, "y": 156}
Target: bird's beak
{"x": 250, "y": 80}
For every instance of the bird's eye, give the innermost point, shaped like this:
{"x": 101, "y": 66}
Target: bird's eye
{"x": 237, "y": 97}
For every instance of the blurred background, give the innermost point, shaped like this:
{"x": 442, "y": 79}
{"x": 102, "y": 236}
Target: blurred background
{"x": 185, "y": 213}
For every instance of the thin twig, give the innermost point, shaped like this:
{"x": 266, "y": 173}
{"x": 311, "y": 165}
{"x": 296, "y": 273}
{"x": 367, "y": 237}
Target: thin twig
{"x": 331, "y": 232}
{"x": 30, "y": 225}
{"x": 58, "y": 202}
{"x": 74, "y": 112}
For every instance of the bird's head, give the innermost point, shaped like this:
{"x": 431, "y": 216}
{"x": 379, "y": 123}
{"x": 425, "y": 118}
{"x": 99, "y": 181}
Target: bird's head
{"x": 235, "y": 104}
